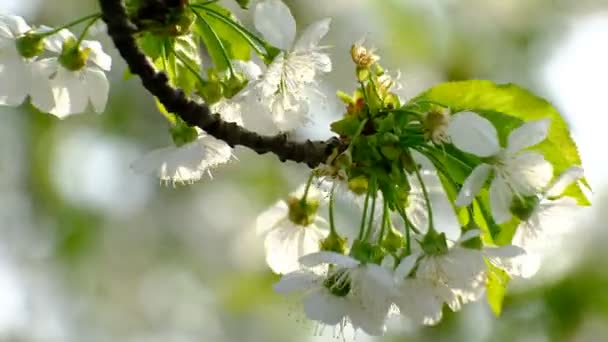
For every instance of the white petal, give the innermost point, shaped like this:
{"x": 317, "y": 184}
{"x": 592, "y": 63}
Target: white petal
{"x": 249, "y": 69}
{"x": 54, "y": 43}
{"x": 322, "y": 62}
{"x": 473, "y": 184}
{"x": 41, "y": 93}
{"x": 14, "y": 24}
{"x": 286, "y": 244}
{"x": 569, "y": 176}
{"x": 98, "y": 87}
{"x": 473, "y": 134}
{"x": 70, "y": 93}
{"x": 312, "y": 35}
{"x": 469, "y": 234}
{"x": 324, "y": 257}
{"x": 15, "y": 79}
{"x": 420, "y": 302}
{"x": 294, "y": 282}
{"x": 527, "y": 135}
{"x": 406, "y": 266}
{"x": 528, "y": 172}
{"x": 267, "y": 220}
{"x": 273, "y": 19}
{"x": 501, "y": 197}
{"x": 97, "y": 55}
{"x": 507, "y": 258}
{"x": 322, "y": 306}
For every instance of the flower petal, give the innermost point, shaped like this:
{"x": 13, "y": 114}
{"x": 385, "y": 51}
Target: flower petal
{"x": 473, "y": 184}
{"x": 54, "y": 43}
{"x": 15, "y": 76}
{"x": 322, "y": 306}
{"x": 324, "y": 257}
{"x": 406, "y": 266}
{"x": 569, "y": 176}
{"x": 12, "y": 26}
{"x": 267, "y": 220}
{"x": 295, "y": 281}
{"x": 70, "y": 93}
{"x": 41, "y": 93}
{"x": 473, "y": 134}
{"x": 97, "y": 55}
{"x": 98, "y": 87}
{"x": 274, "y": 21}
{"x": 528, "y": 172}
{"x": 527, "y": 135}
{"x": 312, "y": 35}
{"x": 501, "y": 197}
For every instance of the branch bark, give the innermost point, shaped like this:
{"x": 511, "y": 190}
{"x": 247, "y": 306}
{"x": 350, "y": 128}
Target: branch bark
{"x": 121, "y": 30}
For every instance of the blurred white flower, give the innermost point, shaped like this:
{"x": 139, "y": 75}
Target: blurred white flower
{"x": 17, "y": 53}
{"x": 517, "y": 171}
{"x": 292, "y": 229}
{"x": 283, "y": 88}
{"x": 188, "y": 163}
{"x": 350, "y": 291}
{"x": 73, "y": 78}
{"x": 455, "y": 277}
{"x": 547, "y": 221}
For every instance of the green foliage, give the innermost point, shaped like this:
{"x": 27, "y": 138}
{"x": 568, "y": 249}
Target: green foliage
{"x": 508, "y": 106}
{"x": 496, "y": 286}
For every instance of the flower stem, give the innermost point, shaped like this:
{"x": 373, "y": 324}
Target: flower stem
{"x": 408, "y": 226}
{"x": 70, "y": 24}
{"x": 385, "y": 219}
{"x": 86, "y": 29}
{"x": 332, "y": 226}
{"x": 307, "y": 189}
{"x": 370, "y": 221}
{"x": 427, "y": 198}
{"x": 362, "y": 228}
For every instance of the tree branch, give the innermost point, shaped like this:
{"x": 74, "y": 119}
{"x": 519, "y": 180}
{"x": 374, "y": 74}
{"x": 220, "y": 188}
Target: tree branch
{"x": 121, "y": 31}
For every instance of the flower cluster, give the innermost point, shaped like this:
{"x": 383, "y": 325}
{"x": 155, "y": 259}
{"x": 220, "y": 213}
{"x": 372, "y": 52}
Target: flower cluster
{"x": 402, "y": 263}
{"x": 62, "y": 83}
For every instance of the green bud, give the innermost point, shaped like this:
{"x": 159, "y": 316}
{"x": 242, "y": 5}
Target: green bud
{"x": 30, "y": 45}
{"x": 393, "y": 241}
{"x": 358, "y": 185}
{"x": 233, "y": 85}
{"x": 72, "y": 57}
{"x": 523, "y": 207}
{"x": 362, "y": 74}
{"x": 362, "y": 251}
{"x": 243, "y": 3}
{"x": 302, "y": 212}
{"x": 333, "y": 243}
{"x": 434, "y": 243}
{"x": 182, "y": 134}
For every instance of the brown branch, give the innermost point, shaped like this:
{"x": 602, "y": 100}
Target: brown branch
{"x": 121, "y": 31}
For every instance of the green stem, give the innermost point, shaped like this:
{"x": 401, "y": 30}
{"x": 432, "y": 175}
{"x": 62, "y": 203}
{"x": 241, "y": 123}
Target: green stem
{"x": 427, "y": 198}
{"x": 86, "y": 30}
{"x": 70, "y": 24}
{"x": 385, "y": 219}
{"x": 370, "y": 222}
{"x": 169, "y": 116}
{"x": 307, "y": 188}
{"x": 217, "y": 40}
{"x": 406, "y": 221}
{"x": 332, "y": 226}
{"x": 189, "y": 67}
{"x": 362, "y": 228}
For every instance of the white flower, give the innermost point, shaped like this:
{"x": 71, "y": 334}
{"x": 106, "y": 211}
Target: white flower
{"x": 69, "y": 89}
{"x": 286, "y": 241}
{"x": 15, "y": 69}
{"x": 190, "y": 162}
{"x": 517, "y": 171}
{"x": 284, "y": 88}
{"x": 455, "y": 277}
{"x": 547, "y": 221}
{"x": 350, "y": 291}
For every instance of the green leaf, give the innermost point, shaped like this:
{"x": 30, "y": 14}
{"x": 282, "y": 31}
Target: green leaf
{"x": 347, "y": 127}
{"x": 508, "y": 106}
{"x": 496, "y": 287}
{"x": 219, "y": 31}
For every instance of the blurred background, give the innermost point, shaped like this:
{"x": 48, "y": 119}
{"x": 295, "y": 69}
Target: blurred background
{"x": 90, "y": 251}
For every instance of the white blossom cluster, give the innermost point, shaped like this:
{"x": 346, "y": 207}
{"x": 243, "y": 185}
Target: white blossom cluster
{"x": 60, "y": 74}
{"x": 341, "y": 288}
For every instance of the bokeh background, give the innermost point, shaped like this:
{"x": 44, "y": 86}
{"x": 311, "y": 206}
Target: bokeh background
{"x": 90, "y": 251}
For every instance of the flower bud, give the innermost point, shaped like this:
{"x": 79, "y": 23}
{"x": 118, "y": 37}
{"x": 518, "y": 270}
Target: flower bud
{"x": 358, "y": 185}
{"x": 72, "y": 57}
{"x": 435, "y": 125}
{"x": 182, "y": 134}
{"x": 363, "y": 57}
{"x": 333, "y": 243}
{"x": 302, "y": 213}
{"x": 30, "y": 45}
